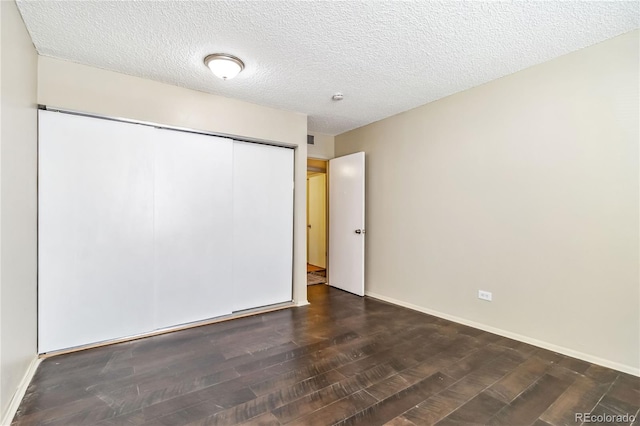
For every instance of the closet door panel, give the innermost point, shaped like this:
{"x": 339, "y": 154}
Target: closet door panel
{"x": 95, "y": 247}
{"x": 263, "y": 225}
{"x": 193, "y": 227}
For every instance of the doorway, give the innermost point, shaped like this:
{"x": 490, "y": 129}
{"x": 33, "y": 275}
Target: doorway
{"x": 316, "y": 222}
{"x": 339, "y": 256}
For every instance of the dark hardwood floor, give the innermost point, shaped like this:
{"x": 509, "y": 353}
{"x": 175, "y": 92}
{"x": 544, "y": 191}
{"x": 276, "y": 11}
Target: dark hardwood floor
{"x": 342, "y": 360}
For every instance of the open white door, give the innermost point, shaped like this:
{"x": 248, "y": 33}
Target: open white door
{"x": 346, "y": 223}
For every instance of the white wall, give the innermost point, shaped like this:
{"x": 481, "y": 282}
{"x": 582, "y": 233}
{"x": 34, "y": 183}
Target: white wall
{"x": 18, "y": 155}
{"x": 323, "y": 147}
{"x": 526, "y": 187}
{"x": 78, "y": 87}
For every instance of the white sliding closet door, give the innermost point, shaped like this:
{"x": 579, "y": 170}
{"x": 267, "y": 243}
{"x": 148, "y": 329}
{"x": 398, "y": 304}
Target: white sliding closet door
{"x": 143, "y": 228}
{"x": 95, "y": 230}
{"x": 262, "y": 225}
{"x": 193, "y": 227}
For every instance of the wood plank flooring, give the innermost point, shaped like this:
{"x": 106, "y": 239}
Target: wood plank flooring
{"x": 342, "y": 360}
{"x": 314, "y": 268}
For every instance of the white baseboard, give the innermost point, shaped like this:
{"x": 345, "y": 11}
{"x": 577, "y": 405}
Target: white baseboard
{"x": 539, "y": 343}
{"x": 304, "y": 302}
{"x": 20, "y": 391}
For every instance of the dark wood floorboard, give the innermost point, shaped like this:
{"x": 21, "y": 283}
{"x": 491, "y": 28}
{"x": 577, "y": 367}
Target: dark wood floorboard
{"x": 342, "y": 360}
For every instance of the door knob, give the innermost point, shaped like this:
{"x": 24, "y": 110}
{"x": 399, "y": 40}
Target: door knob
{"x": 359, "y": 231}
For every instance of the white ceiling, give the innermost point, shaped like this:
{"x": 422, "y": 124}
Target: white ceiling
{"x": 386, "y": 57}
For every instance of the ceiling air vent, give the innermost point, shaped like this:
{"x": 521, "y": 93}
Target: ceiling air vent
{"x": 311, "y": 140}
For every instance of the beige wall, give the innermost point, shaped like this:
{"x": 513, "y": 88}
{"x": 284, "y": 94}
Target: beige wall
{"x": 78, "y": 87}
{"x": 73, "y": 86}
{"x": 316, "y": 213}
{"x": 526, "y": 187}
{"x": 323, "y": 146}
{"x": 18, "y": 156}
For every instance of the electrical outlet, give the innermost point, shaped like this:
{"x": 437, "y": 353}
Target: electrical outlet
{"x": 485, "y": 295}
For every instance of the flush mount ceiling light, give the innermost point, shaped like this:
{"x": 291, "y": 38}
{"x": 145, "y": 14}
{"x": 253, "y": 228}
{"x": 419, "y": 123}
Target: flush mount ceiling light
{"x": 223, "y": 65}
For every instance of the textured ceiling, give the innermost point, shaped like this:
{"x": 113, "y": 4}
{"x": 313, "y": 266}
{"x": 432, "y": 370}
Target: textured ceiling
{"x": 386, "y": 57}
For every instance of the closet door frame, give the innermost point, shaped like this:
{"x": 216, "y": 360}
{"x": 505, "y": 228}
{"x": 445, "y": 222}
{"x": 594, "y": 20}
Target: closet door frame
{"x": 233, "y": 138}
